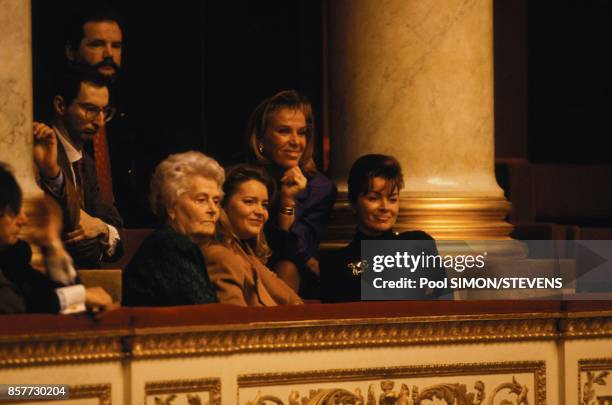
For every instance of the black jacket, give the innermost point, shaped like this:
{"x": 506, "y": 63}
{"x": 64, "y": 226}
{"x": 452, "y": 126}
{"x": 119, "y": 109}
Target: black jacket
{"x": 340, "y": 284}
{"x": 168, "y": 269}
{"x": 28, "y": 284}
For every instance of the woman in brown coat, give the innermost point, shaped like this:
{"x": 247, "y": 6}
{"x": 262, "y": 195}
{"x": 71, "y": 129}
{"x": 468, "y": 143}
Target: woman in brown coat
{"x": 236, "y": 257}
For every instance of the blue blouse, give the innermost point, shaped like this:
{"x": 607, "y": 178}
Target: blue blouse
{"x": 312, "y": 210}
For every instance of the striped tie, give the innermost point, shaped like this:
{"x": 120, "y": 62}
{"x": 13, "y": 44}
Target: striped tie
{"x": 78, "y": 177}
{"x": 103, "y": 166}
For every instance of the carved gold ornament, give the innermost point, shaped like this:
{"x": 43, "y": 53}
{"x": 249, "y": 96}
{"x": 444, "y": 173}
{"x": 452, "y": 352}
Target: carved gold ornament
{"x": 202, "y": 340}
{"x": 165, "y": 392}
{"x": 23, "y": 350}
{"x": 449, "y": 393}
{"x": 581, "y": 327}
{"x": 100, "y": 391}
{"x": 342, "y": 334}
{"x": 388, "y": 394}
{"x": 597, "y": 372}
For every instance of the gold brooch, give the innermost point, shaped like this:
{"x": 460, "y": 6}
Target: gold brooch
{"x": 358, "y": 267}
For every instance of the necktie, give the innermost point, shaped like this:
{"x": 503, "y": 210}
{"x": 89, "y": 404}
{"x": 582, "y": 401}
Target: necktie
{"x": 78, "y": 176}
{"x": 103, "y": 166}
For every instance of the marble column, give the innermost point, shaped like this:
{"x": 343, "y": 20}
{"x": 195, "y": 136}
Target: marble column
{"x": 414, "y": 79}
{"x": 16, "y": 123}
{"x": 16, "y": 92}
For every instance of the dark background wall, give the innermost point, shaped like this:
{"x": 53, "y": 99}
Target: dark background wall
{"x": 194, "y": 70}
{"x": 569, "y": 81}
{"x": 552, "y": 80}
{"x": 254, "y": 49}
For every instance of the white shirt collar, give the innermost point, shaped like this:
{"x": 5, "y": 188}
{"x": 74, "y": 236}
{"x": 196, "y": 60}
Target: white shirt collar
{"x": 72, "y": 153}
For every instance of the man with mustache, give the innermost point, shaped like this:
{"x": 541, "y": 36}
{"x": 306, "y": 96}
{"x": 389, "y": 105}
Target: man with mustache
{"x": 94, "y": 44}
{"x": 95, "y": 41}
{"x": 68, "y": 173}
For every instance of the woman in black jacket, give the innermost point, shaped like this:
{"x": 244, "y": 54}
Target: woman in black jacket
{"x": 374, "y": 185}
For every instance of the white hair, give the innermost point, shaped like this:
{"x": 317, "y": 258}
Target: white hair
{"x": 171, "y": 177}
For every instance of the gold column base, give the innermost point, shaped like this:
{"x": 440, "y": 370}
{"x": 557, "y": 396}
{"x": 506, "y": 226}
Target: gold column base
{"x": 456, "y": 218}
{"x": 446, "y": 219}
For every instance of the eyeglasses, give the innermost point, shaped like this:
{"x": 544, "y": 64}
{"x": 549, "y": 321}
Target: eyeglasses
{"x": 92, "y": 112}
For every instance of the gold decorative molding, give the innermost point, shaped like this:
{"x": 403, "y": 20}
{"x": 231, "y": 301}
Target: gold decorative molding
{"x": 28, "y": 350}
{"x": 166, "y": 391}
{"x": 597, "y": 371}
{"x": 310, "y": 335}
{"x": 100, "y": 391}
{"x": 425, "y": 370}
{"x": 202, "y": 340}
{"x": 452, "y": 391}
{"x": 587, "y": 327}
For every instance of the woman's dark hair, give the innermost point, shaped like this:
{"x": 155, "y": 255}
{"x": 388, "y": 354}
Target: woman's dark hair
{"x": 260, "y": 119}
{"x": 369, "y": 166}
{"x": 238, "y": 174}
{"x": 234, "y": 177}
{"x": 10, "y": 193}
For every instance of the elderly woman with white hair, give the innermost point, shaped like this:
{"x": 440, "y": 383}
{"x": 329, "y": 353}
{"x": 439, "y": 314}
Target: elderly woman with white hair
{"x": 169, "y": 269}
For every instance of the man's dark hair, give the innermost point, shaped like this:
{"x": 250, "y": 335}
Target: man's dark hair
{"x": 369, "y": 166}
{"x": 10, "y": 193}
{"x": 88, "y": 11}
{"x": 70, "y": 84}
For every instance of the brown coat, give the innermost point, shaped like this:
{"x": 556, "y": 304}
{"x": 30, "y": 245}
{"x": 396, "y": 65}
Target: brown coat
{"x": 241, "y": 279}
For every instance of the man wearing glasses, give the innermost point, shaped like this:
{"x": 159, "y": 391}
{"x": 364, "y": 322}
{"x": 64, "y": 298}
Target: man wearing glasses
{"x": 94, "y": 42}
{"x": 68, "y": 173}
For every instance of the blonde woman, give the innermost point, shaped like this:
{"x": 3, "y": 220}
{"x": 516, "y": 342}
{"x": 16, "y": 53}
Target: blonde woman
{"x": 236, "y": 257}
{"x": 281, "y": 138}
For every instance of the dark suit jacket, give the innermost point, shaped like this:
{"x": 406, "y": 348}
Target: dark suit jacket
{"x": 27, "y": 284}
{"x": 88, "y": 253}
{"x": 11, "y": 300}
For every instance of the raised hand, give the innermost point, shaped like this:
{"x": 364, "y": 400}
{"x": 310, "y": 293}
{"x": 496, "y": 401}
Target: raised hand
{"x": 292, "y": 182}
{"x": 45, "y": 150}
